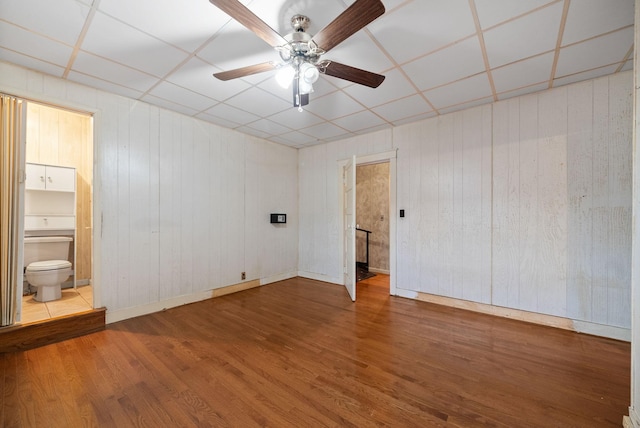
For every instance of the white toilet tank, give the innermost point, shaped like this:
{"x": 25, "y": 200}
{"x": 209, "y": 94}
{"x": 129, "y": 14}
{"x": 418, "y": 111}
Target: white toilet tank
{"x": 41, "y": 248}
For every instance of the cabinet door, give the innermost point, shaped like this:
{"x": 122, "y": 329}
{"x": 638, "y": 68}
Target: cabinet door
{"x": 35, "y": 176}
{"x": 61, "y": 179}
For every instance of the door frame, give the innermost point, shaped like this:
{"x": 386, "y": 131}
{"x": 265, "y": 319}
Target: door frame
{"x": 389, "y": 156}
{"x": 95, "y": 113}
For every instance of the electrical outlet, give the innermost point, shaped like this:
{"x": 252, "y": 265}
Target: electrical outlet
{"x": 244, "y": 275}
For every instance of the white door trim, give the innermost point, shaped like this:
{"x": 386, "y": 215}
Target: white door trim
{"x": 389, "y": 156}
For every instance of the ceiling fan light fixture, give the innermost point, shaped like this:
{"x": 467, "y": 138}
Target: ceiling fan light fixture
{"x": 285, "y": 76}
{"x": 305, "y": 87}
{"x": 309, "y": 73}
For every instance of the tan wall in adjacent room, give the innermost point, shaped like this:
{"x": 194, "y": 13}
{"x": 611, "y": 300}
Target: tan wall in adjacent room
{"x": 61, "y": 137}
{"x": 372, "y": 213}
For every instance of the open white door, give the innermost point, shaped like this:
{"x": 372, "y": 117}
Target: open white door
{"x": 349, "y": 180}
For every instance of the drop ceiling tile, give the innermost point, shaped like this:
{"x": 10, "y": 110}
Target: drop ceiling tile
{"x": 282, "y": 142}
{"x": 460, "y": 92}
{"x": 236, "y": 47}
{"x": 255, "y": 132}
{"x": 297, "y": 138}
{"x": 324, "y": 131}
{"x": 523, "y": 91}
{"x": 30, "y": 44}
{"x": 169, "y": 105}
{"x": 334, "y": 105}
{"x": 101, "y": 84}
{"x": 523, "y": 37}
{"x": 404, "y": 108}
{"x": 627, "y": 66}
{"x": 594, "y": 53}
{"x": 434, "y": 41}
{"x": 230, "y": 113}
{"x": 420, "y": 27}
{"x": 373, "y": 129}
{"x": 361, "y": 52}
{"x": 103, "y": 69}
{"x": 269, "y": 127}
{"x": 30, "y": 62}
{"x": 591, "y": 74}
{"x": 359, "y": 121}
{"x": 467, "y": 105}
{"x": 456, "y": 62}
{"x": 185, "y": 97}
{"x": 493, "y": 12}
{"x": 258, "y": 102}
{"x": 121, "y": 43}
{"x": 44, "y": 17}
{"x": 415, "y": 118}
{"x": 197, "y": 75}
{"x": 389, "y": 5}
{"x": 296, "y": 119}
{"x": 395, "y": 86}
{"x": 523, "y": 73}
{"x": 217, "y": 120}
{"x": 590, "y": 18}
{"x": 186, "y": 24}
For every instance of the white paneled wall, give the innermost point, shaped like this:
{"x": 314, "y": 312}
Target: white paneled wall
{"x": 444, "y": 173}
{"x": 523, "y": 204}
{"x": 562, "y": 202}
{"x": 184, "y": 204}
{"x": 530, "y": 203}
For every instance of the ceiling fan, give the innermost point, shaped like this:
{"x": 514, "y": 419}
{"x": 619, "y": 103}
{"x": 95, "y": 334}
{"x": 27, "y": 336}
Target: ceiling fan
{"x": 300, "y": 52}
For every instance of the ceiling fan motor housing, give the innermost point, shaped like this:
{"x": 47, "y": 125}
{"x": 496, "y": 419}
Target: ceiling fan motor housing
{"x": 300, "y": 23}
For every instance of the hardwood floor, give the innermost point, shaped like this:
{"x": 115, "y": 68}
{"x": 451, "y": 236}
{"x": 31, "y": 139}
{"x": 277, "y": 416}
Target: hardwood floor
{"x": 299, "y": 353}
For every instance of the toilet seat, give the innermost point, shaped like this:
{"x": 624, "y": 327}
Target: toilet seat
{"x": 48, "y": 265}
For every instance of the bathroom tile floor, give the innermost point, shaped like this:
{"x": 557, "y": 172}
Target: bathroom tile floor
{"x": 72, "y": 301}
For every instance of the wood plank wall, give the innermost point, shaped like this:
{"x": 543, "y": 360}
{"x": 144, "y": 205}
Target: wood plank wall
{"x": 562, "y": 202}
{"x": 62, "y": 137}
{"x": 184, "y": 203}
{"x": 525, "y": 203}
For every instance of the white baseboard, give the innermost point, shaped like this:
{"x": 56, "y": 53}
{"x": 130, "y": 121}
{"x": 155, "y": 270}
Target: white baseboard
{"x": 631, "y": 421}
{"x": 136, "y": 311}
{"x": 321, "y": 277}
{"x": 382, "y": 271}
{"x": 611, "y": 332}
{"x": 618, "y": 333}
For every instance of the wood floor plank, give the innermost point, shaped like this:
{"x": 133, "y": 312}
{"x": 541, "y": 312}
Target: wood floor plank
{"x": 300, "y": 353}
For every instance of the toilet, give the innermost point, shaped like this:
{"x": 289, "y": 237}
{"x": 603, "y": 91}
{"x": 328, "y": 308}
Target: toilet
{"x": 47, "y": 267}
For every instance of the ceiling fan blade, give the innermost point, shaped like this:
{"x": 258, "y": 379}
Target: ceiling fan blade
{"x": 352, "y": 74}
{"x": 352, "y": 20}
{"x": 245, "y": 71}
{"x": 244, "y": 16}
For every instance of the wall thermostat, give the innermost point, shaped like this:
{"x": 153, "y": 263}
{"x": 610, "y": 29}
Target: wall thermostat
{"x": 278, "y": 218}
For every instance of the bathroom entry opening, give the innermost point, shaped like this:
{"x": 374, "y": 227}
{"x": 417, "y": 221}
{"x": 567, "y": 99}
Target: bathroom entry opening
{"x": 64, "y": 138}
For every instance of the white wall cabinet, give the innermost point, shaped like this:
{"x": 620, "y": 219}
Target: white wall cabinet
{"x": 50, "y": 203}
{"x": 51, "y": 178}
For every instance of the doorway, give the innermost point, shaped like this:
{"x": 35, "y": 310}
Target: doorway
{"x": 372, "y": 220}
{"x": 381, "y": 218}
{"x": 61, "y": 138}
